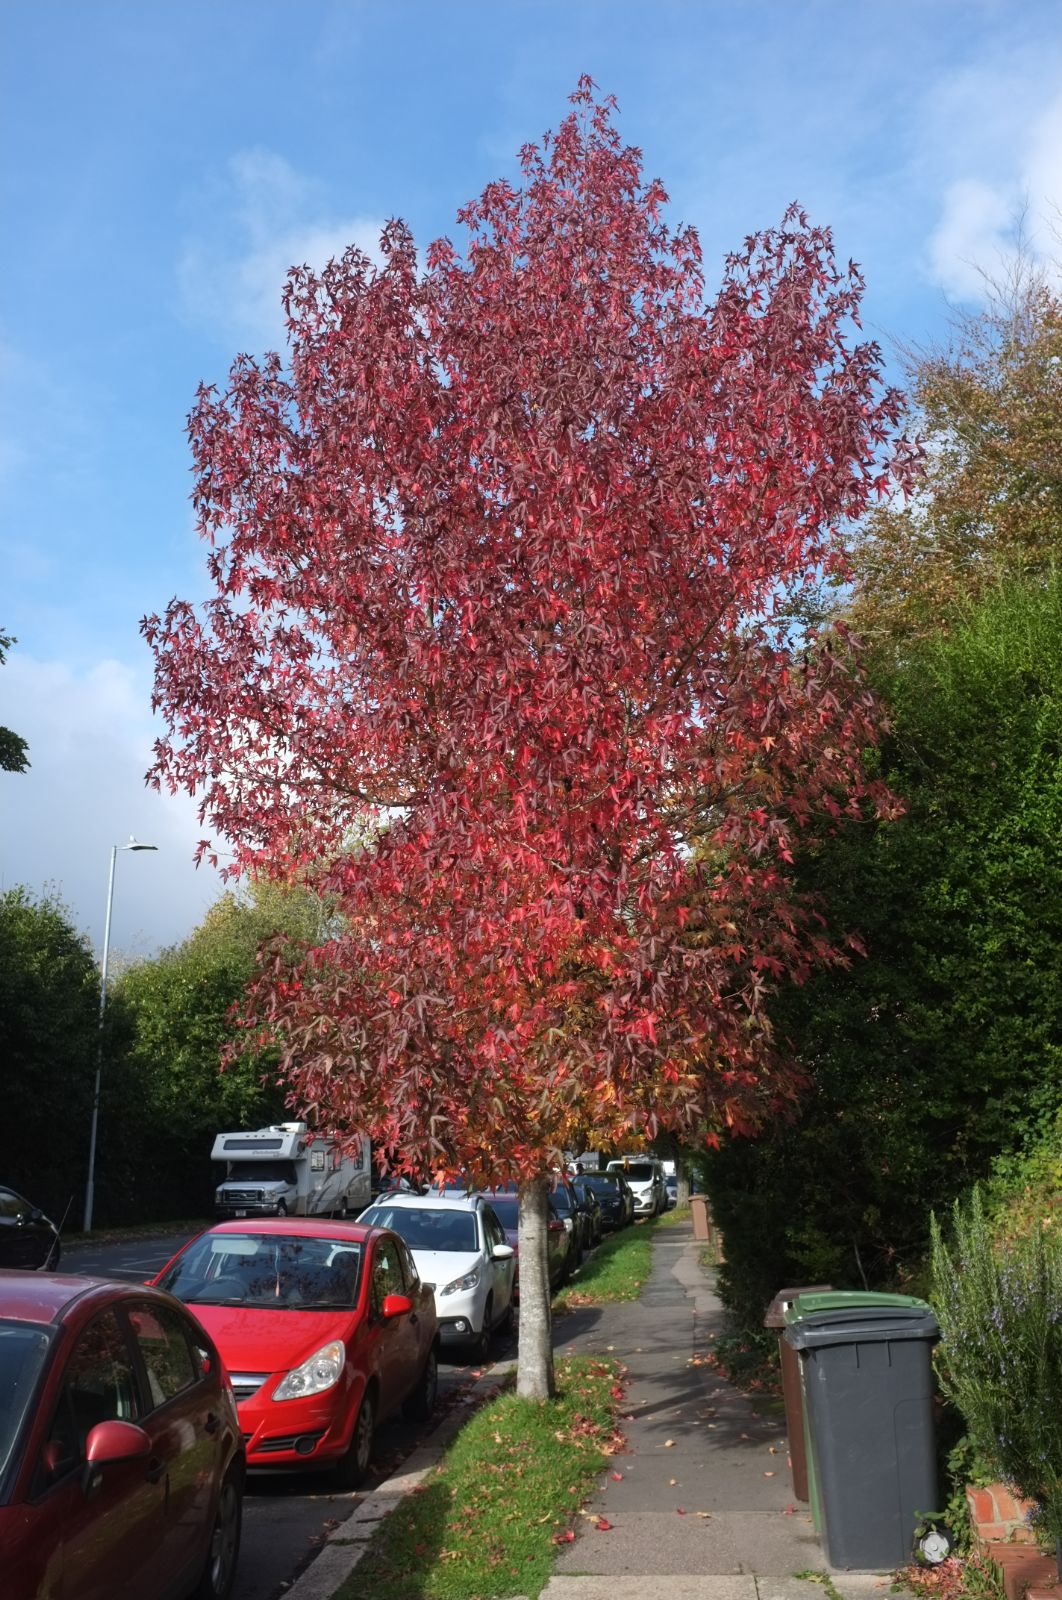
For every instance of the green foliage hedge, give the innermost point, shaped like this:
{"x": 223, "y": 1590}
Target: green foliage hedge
{"x": 942, "y": 1049}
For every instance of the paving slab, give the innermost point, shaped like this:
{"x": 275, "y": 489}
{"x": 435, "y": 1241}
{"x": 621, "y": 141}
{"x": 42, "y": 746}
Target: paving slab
{"x": 703, "y": 1490}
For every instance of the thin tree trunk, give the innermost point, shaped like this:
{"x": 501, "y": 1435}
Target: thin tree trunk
{"x": 534, "y": 1370}
{"x": 682, "y": 1178}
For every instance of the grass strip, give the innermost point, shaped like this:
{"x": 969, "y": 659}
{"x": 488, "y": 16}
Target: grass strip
{"x": 616, "y": 1271}
{"x": 487, "y": 1521}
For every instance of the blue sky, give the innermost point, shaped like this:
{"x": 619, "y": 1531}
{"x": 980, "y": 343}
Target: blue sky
{"x": 162, "y": 164}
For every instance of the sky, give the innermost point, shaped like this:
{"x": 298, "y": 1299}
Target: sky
{"x": 162, "y": 165}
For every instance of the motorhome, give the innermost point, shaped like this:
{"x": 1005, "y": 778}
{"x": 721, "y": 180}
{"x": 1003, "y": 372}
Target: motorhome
{"x": 288, "y": 1170}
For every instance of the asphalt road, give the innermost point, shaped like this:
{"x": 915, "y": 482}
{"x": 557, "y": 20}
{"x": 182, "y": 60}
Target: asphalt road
{"x": 285, "y": 1516}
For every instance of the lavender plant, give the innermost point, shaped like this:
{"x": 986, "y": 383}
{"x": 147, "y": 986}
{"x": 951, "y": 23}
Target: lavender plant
{"x": 999, "y": 1304}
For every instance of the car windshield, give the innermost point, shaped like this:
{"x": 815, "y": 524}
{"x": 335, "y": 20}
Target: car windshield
{"x": 278, "y": 1272}
{"x": 426, "y": 1227}
{"x": 506, "y": 1208}
{"x": 562, "y": 1199}
{"x": 261, "y": 1172}
{"x": 602, "y": 1182}
{"x": 639, "y": 1171}
{"x": 23, "y": 1348}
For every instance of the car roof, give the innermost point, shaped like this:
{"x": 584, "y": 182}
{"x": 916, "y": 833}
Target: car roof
{"x": 42, "y": 1297}
{"x": 296, "y": 1227}
{"x": 446, "y": 1200}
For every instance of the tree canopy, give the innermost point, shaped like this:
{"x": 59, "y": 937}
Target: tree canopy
{"x": 14, "y": 751}
{"x": 500, "y": 561}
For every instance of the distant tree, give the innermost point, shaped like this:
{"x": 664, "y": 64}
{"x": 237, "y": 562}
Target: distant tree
{"x": 990, "y": 505}
{"x": 175, "y": 1030}
{"x": 14, "y": 751}
{"x": 497, "y": 566}
{"x": 49, "y": 999}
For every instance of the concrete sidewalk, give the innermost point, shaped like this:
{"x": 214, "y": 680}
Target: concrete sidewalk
{"x": 703, "y": 1509}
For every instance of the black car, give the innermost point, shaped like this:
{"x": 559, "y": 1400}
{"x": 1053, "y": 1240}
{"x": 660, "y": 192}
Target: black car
{"x": 27, "y": 1238}
{"x": 590, "y": 1206}
{"x": 613, "y": 1196}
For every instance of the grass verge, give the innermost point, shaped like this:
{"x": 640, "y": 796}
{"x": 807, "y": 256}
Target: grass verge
{"x": 486, "y": 1523}
{"x": 136, "y": 1230}
{"x": 616, "y": 1271}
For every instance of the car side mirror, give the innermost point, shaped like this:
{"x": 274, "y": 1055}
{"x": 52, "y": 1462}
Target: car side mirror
{"x": 116, "y": 1441}
{"x": 396, "y": 1305}
{"x": 503, "y": 1252}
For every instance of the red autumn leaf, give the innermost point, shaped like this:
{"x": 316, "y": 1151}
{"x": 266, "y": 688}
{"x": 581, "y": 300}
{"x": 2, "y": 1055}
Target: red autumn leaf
{"x": 564, "y": 1538}
{"x": 496, "y": 658}
{"x": 603, "y": 1524}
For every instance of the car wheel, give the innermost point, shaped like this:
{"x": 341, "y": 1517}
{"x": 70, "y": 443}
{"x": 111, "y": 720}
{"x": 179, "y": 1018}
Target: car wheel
{"x": 282, "y": 1209}
{"x": 351, "y": 1470}
{"x": 220, "y": 1569}
{"x": 481, "y": 1345}
{"x": 420, "y": 1404}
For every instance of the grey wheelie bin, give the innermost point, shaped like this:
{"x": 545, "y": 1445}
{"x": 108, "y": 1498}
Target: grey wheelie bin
{"x": 866, "y": 1365}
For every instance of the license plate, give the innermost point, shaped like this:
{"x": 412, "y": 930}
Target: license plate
{"x": 241, "y": 1213}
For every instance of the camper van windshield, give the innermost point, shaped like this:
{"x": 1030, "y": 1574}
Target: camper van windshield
{"x": 262, "y": 1172}
{"x": 275, "y": 1272}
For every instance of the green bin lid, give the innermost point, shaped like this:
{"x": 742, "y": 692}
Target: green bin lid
{"x": 846, "y": 1301}
{"x": 858, "y": 1317}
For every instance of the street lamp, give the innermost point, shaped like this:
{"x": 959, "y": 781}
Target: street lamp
{"x": 134, "y": 844}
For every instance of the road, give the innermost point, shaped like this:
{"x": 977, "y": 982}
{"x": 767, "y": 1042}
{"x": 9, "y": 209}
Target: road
{"x": 286, "y": 1516}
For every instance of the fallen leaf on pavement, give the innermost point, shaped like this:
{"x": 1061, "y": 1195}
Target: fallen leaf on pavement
{"x": 564, "y": 1538}
{"x": 617, "y": 1477}
{"x": 705, "y": 1514}
{"x": 768, "y": 1474}
{"x": 680, "y": 1511}
{"x": 603, "y": 1524}
{"x": 668, "y": 1444}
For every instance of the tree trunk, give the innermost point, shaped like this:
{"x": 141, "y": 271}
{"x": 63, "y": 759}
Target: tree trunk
{"x": 682, "y": 1178}
{"x": 534, "y": 1370}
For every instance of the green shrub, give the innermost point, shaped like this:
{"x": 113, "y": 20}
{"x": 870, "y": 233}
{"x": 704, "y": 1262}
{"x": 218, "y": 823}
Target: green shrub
{"x": 999, "y": 1302}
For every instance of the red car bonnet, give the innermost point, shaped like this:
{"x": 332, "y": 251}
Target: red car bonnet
{"x": 251, "y": 1339}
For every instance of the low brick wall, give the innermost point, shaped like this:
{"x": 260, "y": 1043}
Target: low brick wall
{"x": 1001, "y": 1527}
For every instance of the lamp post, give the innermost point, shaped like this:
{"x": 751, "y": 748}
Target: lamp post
{"x": 134, "y": 844}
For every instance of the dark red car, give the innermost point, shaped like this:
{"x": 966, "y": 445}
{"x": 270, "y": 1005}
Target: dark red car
{"x": 325, "y": 1327}
{"x": 121, "y": 1465}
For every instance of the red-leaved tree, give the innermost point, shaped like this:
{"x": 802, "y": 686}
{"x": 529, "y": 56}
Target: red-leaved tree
{"x": 495, "y": 658}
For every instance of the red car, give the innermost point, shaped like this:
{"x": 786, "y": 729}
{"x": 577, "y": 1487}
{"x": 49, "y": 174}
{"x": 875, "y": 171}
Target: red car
{"x": 324, "y": 1326}
{"x": 121, "y": 1465}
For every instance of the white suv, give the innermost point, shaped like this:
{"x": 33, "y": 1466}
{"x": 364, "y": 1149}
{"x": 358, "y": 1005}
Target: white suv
{"x": 461, "y": 1252}
{"x": 645, "y": 1174}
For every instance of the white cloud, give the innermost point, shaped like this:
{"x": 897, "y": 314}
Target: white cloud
{"x": 90, "y": 737}
{"x": 263, "y": 217}
{"x": 986, "y": 218}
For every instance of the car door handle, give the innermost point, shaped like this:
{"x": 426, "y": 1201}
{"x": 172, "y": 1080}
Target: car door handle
{"x": 155, "y": 1468}
{"x": 212, "y": 1423}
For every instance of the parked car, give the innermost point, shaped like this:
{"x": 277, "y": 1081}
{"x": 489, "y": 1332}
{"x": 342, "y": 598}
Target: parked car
{"x": 325, "y": 1328}
{"x": 565, "y": 1202}
{"x": 27, "y": 1238}
{"x": 590, "y": 1208}
{"x": 614, "y": 1197}
{"x": 121, "y": 1463}
{"x": 671, "y": 1185}
{"x": 645, "y": 1174}
{"x": 462, "y": 1253}
{"x": 559, "y": 1240}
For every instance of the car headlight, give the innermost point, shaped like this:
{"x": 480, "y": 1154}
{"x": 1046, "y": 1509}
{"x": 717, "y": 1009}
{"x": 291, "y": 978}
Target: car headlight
{"x": 316, "y": 1375}
{"x": 469, "y": 1281}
